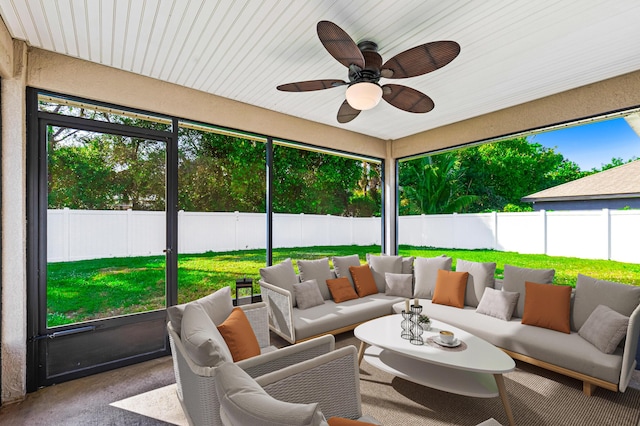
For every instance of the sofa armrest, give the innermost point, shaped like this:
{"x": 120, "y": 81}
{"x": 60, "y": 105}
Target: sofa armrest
{"x": 258, "y": 315}
{"x": 332, "y": 380}
{"x": 280, "y": 303}
{"x": 630, "y": 349}
{"x": 287, "y": 356}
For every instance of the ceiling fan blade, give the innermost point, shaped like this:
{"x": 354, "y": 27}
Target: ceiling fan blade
{"x": 346, "y": 113}
{"x": 311, "y": 85}
{"x": 420, "y": 59}
{"x": 406, "y": 98}
{"x": 339, "y": 44}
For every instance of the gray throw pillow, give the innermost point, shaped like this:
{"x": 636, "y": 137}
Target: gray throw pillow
{"x": 604, "y": 329}
{"x": 426, "y": 272}
{"x": 380, "y": 265}
{"x": 218, "y": 305}
{"x": 514, "y": 279}
{"x": 341, "y": 265}
{"x": 591, "y": 292}
{"x": 308, "y": 294}
{"x": 399, "y": 285}
{"x": 281, "y": 275}
{"x": 498, "y": 304}
{"x": 481, "y": 276}
{"x": 244, "y": 402}
{"x": 201, "y": 339}
{"x": 318, "y": 270}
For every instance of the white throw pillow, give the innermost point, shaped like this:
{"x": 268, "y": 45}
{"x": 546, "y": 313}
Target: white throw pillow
{"x": 308, "y": 294}
{"x": 318, "y": 270}
{"x": 426, "y": 271}
{"x": 604, "y": 329}
{"x": 399, "y": 285}
{"x": 498, "y": 304}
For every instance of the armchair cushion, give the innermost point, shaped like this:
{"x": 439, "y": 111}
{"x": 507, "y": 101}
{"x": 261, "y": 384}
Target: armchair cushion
{"x": 308, "y": 294}
{"x": 316, "y": 270}
{"x": 244, "y": 402}
{"x": 218, "y": 305}
{"x": 201, "y": 339}
{"x": 281, "y": 275}
{"x": 239, "y": 336}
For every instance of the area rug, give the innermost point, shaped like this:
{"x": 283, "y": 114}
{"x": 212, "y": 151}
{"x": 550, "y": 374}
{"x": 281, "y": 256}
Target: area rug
{"x": 537, "y": 397}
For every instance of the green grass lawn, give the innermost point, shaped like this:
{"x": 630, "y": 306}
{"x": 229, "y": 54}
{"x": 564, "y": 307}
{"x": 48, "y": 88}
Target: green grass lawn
{"x": 91, "y": 289}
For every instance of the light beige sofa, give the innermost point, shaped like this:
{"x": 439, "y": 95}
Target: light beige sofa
{"x": 569, "y": 354}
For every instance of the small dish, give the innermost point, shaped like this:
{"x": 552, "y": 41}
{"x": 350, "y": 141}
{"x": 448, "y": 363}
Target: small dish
{"x": 456, "y": 342}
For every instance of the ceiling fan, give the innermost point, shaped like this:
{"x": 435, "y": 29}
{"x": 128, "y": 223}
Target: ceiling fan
{"x": 366, "y": 68}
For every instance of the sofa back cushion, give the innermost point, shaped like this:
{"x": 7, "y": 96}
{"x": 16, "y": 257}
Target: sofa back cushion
{"x": 481, "y": 276}
{"x": 244, "y": 402}
{"x": 318, "y": 270}
{"x": 515, "y": 278}
{"x": 591, "y": 292}
{"x": 308, "y": 294}
{"x": 201, "y": 339}
{"x": 281, "y": 275}
{"x": 217, "y": 305}
{"x": 363, "y": 280}
{"x": 426, "y": 272}
{"x": 341, "y": 265}
{"x": 380, "y": 265}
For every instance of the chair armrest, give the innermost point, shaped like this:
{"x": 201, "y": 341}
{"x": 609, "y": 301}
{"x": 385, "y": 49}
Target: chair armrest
{"x": 287, "y": 356}
{"x": 280, "y": 303}
{"x": 630, "y": 349}
{"x": 258, "y": 315}
{"x": 332, "y": 380}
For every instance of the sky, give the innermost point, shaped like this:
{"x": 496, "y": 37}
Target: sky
{"x": 593, "y": 145}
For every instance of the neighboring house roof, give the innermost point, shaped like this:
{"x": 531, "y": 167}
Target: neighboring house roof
{"x": 618, "y": 182}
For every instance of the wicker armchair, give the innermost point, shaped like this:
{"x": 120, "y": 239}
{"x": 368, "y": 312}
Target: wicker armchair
{"x": 302, "y": 394}
{"x": 196, "y": 384}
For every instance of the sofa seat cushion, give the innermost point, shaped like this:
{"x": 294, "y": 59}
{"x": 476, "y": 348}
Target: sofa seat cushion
{"x": 330, "y": 315}
{"x": 569, "y": 351}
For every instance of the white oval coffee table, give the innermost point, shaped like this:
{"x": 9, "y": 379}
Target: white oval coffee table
{"x": 474, "y": 369}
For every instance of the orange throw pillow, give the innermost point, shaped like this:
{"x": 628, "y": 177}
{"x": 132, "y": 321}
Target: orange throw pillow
{"x": 450, "y": 288}
{"x": 363, "y": 280}
{"x": 341, "y": 421}
{"x": 547, "y": 306}
{"x": 239, "y": 336}
{"x": 341, "y": 289}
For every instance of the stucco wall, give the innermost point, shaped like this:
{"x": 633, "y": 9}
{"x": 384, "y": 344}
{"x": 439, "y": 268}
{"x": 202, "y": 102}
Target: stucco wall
{"x": 14, "y": 315}
{"x": 606, "y": 96}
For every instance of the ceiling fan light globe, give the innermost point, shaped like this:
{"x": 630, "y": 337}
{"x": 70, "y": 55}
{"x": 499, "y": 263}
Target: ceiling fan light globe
{"x": 364, "y": 96}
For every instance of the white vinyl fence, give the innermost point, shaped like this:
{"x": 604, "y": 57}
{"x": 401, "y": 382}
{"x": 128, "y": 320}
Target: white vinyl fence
{"x": 590, "y": 234}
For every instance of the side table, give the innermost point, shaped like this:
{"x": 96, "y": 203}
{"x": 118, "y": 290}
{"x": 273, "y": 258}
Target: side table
{"x": 243, "y": 283}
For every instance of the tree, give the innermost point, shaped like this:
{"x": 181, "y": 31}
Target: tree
{"x": 432, "y": 185}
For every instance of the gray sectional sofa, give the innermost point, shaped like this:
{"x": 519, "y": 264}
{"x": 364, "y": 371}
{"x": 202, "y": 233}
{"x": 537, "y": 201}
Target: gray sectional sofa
{"x": 579, "y": 352}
